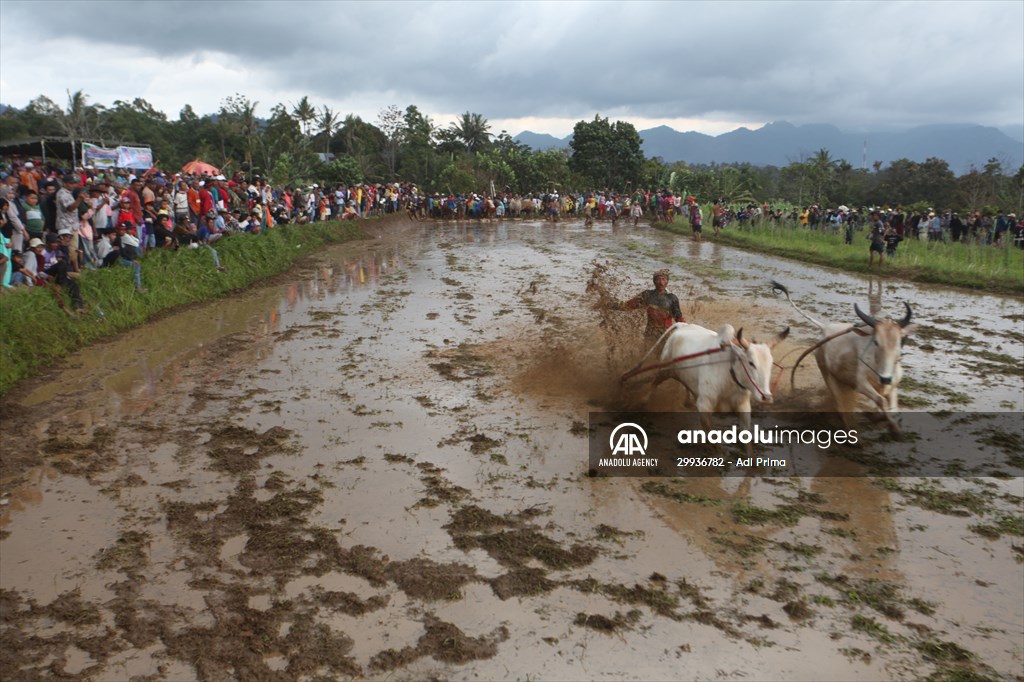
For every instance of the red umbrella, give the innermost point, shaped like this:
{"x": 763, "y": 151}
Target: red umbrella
{"x": 198, "y": 167}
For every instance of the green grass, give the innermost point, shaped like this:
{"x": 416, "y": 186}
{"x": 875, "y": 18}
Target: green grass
{"x": 992, "y": 268}
{"x": 34, "y": 330}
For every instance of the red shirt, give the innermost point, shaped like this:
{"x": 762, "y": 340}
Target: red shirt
{"x": 136, "y": 205}
{"x": 205, "y": 201}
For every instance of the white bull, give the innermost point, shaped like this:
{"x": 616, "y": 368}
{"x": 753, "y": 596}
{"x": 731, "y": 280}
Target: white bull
{"x": 861, "y": 360}
{"x": 732, "y": 371}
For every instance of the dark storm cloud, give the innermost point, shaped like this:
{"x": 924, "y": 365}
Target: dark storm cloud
{"x": 852, "y": 64}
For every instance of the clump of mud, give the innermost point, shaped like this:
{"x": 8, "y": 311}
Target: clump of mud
{"x": 522, "y": 582}
{"x": 348, "y": 602}
{"x": 431, "y": 581}
{"x": 78, "y": 456}
{"x": 237, "y": 449}
{"x": 443, "y": 642}
{"x": 35, "y": 638}
{"x": 515, "y": 543}
{"x": 516, "y": 547}
{"x": 460, "y": 364}
{"x": 596, "y": 621}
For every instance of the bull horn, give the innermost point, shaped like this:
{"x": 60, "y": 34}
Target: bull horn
{"x": 906, "y": 318}
{"x": 868, "y": 320}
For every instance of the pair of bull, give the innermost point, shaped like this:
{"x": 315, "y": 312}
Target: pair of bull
{"x": 853, "y": 360}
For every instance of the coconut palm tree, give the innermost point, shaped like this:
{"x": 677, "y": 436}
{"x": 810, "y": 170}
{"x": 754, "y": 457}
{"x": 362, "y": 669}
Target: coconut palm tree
{"x": 823, "y": 172}
{"x": 329, "y": 123}
{"x": 473, "y": 130}
{"x": 304, "y": 113}
{"x": 81, "y": 120}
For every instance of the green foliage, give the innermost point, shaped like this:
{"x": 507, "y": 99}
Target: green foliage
{"x": 458, "y": 176}
{"x": 405, "y": 144}
{"x": 35, "y": 331}
{"x": 473, "y": 131}
{"x": 342, "y": 169}
{"x": 607, "y": 155}
{"x": 418, "y": 161}
{"x": 363, "y": 142}
{"x": 968, "y": 265}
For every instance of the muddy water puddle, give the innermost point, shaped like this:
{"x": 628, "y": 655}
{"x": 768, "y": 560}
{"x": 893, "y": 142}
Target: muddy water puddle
{"x": 378, "y": 469}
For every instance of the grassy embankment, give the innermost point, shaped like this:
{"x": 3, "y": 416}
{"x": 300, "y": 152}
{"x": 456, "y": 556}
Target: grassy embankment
{"x": 991, "y": 268}
{"x": 34, "y": 330}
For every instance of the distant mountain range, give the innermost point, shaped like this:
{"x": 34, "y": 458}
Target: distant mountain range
{"x": 781, "y": 143}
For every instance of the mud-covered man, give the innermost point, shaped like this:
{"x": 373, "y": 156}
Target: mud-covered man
{"x": 662, "y": 307}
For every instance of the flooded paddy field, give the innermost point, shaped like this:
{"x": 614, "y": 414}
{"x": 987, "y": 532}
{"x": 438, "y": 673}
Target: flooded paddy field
{"x": 376, "y": 467}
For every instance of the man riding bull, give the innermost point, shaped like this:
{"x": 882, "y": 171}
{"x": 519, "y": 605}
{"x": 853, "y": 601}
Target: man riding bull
{"x": 662, "y": 307}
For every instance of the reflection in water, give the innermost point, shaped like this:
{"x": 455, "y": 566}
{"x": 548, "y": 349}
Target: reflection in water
{"x": 718, "y": 255}
{"x": 875, "y": 296}
{"x": 693, "y": 249}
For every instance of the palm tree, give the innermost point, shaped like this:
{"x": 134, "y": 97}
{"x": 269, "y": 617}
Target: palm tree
{"x": 328, "y": 121}
{"x": 81, "y": 120}
{"x": 473, "y": 130}
{"x": 823, "y": 170}
{"x": 250, "y": 126}
{"x": 304, "y": 113}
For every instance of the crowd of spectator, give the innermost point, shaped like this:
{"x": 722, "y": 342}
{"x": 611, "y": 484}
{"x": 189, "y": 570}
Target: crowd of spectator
{"x": 58, "y": 225}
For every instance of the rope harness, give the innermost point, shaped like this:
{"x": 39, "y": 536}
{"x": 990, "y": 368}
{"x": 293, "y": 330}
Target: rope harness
{"x": 682, "y": 358}
{"x": 661, "y": 365}
{"x": 819, "y": 344}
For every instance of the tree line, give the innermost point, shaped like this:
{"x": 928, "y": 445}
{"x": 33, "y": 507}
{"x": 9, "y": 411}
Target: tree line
{"x": 302, "y": 142}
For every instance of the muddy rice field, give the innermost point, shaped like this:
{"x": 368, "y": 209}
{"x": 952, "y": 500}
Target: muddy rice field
{"x": 376, "y": 467}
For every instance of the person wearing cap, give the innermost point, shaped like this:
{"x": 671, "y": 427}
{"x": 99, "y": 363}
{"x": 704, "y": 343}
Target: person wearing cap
{"x": 33, "y": 258}
{"x": 232, "y": 223}
{"x": 30, "y": 176}
{"x": 934, "y": 228}
{"x": 179, "y": 201}
{"x": 662, "y": 307}
{"x": 125, "y": 217}
{"x": 696, "y": 217}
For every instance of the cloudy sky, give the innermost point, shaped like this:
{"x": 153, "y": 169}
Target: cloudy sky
{"x": 536, "y": 66}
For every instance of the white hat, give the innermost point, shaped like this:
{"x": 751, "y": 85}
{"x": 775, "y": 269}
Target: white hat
{"x": 64, "y": 231}
{"x": 29, "y": 164}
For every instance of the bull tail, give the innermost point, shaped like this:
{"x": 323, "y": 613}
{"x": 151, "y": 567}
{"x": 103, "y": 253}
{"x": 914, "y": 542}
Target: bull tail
{"x": 777, "y": 287}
